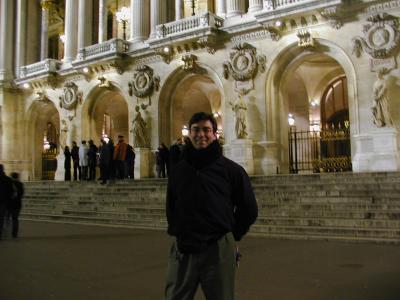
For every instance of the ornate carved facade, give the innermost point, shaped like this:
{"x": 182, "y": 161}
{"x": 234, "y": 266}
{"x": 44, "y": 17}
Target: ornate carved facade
{"x": 308, "y": 63}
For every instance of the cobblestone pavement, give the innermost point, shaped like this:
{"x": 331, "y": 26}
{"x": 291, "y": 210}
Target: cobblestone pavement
{"x": 77, "y": 262}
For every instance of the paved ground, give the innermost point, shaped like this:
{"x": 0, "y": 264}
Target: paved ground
{"x": 73, "y": 262}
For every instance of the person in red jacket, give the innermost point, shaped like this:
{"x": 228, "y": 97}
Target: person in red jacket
{"x": 120, "y": 158}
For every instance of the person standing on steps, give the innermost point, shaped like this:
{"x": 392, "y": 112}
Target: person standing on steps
{"x": 7, "y": 193}
{"x": 210, "y": 206}
{"x": 15, "y": 205}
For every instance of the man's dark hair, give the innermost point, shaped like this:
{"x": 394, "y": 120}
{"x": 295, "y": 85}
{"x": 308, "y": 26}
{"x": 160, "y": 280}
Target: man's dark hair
{"x": 202, "y": 116}
{"x": 14, "y": 175}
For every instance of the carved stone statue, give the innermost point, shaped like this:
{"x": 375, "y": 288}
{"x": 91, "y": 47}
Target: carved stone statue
{"x": 380, "y": 107}
{"x": 139, "y": 127}
{"x": 63, "y": 134}
{"x": 240, "y": 108}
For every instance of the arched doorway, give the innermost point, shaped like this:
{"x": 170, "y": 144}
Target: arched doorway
{"x": 185, "y": 93}
{"x": 195, "y": 93}
{"x": 108, "y": 116}
{"x": 319, "y": 139}
{"x": 44, "y": 126}
{"x": 296, "y": 91}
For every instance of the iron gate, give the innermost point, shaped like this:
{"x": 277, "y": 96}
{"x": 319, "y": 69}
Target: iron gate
{"x": 320, "y": 151}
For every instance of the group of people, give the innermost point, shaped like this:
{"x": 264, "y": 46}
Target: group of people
{"x": 114, "y": 161}
{"x": 11, "y": 191}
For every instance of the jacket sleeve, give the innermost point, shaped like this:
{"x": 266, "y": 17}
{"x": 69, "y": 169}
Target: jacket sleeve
{"x": 170, "y": 209}
{"x": 245, "y": 204}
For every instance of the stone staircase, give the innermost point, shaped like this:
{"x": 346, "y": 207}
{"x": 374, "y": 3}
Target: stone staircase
{"x": 339, "y": 206}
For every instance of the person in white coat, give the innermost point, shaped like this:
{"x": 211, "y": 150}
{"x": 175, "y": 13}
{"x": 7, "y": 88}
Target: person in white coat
{"x": 84, "y": 160}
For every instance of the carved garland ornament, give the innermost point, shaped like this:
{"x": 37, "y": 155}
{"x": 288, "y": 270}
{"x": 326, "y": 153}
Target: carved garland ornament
{"x": 381, "y": 37}
{"x": 143, "y": 82}
{"x": 243, "y": 63}
{"x": 71, "y": 96}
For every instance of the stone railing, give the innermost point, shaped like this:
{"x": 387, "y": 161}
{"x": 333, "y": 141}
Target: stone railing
{"x": 206, "y": 19}
{"x": 108, "y": 48}
{"x": 282, "y": 3}
{"x": 48, "y": 65}
{"x": 274, "y": 9}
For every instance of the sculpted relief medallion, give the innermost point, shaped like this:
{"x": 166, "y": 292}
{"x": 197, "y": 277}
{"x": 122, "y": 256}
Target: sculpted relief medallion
{"x": 381, "y": 37}
{"x": 143, "y": 82}
{"x": 70, "y": 97}
{"x": 243, "y": 66}
{"x": 243, "y": 62}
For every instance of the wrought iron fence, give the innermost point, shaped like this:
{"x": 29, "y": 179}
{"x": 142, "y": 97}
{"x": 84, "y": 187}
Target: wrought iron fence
{"x": 320, "y": 151}
{"x": 49, "y": 164}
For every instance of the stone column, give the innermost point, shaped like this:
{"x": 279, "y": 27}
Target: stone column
{"x": 179, "y": 9}
{"x": 6, "y": 39}
{"x": 158, "y": 15}
{"x": 102, "y": 21}
{"x": 255, "y": 5}
{"x": 44, "y": 31}
{"x": 20, "y": 45}
{"x": 140, "y": 15}
{"x": 71, "y": 28}
{"x": 221, "y": 8}
{"x": 85, "y": 17}
{"x": 234, "y": 8}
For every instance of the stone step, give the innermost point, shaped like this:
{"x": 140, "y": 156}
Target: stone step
{"x": 142, "y": 223}
{"x": 367, "y": 215}
{"x": 328, "y": 232}
{"x": 330, "y": 222}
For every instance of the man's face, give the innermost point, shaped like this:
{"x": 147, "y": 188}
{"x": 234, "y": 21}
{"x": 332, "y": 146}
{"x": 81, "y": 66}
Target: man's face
{"x": 201, "y": 134}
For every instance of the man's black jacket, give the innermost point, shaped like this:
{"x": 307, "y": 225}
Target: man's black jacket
{"x": 209, "y": 195}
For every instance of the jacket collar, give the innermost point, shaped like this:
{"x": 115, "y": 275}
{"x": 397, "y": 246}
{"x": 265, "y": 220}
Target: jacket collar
{"x": 203, "y": 157}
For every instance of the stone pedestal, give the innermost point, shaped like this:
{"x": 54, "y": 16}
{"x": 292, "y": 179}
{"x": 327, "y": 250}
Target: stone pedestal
{"x": 142, "y": 158}
{"x": 377, "y": 151}
{"x": 241, "y": 151}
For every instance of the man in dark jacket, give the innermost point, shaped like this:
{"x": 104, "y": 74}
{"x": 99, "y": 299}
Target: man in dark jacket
{"x": 75, "y": 160}
{"x": 6, "y": 192}
{"x": 210, "y": 205}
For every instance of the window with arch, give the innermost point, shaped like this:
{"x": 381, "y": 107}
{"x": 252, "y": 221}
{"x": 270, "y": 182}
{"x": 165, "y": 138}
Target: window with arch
{"x": 334, "y": 104}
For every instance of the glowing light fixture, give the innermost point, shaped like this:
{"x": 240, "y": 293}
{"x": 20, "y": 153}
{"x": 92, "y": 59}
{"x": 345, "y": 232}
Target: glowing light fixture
{"x": 185, "y": 130}
{"x": 123, "y": 17}
{"x": 291, "y": 120}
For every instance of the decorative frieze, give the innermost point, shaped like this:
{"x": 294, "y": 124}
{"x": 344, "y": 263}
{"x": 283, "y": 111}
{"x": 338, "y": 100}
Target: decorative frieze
{"x": 380, "y": 7}
{"x": 255, "y": 35}
{"x": 332, "y": 14}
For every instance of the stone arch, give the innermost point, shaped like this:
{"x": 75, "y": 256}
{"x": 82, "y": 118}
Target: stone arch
{"x": 288, "y": 59}
{"x": 102, "y": 101}
{"x": 182, "y": 85}
{"x": 41, "y": 112}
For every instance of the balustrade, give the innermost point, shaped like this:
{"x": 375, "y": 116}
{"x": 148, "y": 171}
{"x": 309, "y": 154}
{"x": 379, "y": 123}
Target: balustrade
{"x": 111, "y": 47}
{"x": 180, "y": 26}
{"x": 46, "y": 66}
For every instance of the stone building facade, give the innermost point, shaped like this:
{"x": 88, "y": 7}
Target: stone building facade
{"x": 76, "y": 70}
